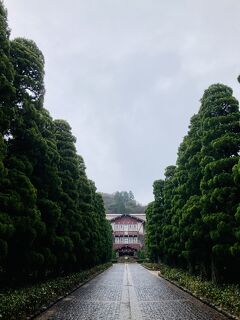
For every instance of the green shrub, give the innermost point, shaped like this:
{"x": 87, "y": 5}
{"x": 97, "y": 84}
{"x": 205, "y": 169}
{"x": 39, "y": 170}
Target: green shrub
{"x": 141, "y": 254}
{"x": 114, "y": 261}
{"x": 151, "y": 266}
{"x": 114, "y": 254}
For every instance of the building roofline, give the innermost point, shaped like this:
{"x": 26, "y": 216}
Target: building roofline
{"x": 126, "y": 215}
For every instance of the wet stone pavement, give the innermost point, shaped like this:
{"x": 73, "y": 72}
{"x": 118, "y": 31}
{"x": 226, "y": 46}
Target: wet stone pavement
{"x": 129, "y": 292}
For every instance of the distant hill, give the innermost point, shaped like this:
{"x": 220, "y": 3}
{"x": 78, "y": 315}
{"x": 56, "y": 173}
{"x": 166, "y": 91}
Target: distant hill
{"x": 122, "y": 202}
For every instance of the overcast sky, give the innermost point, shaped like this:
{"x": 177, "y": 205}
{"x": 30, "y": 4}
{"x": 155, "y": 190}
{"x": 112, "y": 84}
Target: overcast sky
{"x": 128, "y": 75}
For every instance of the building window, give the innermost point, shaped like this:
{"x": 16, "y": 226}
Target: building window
{"x": 126, "y": 240}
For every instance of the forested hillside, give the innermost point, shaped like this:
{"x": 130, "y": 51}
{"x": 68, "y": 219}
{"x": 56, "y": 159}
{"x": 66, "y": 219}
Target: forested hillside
{"x": 52, "y": 220}
{"x": 122, "y": 202}
{"x": 194, "y": 221}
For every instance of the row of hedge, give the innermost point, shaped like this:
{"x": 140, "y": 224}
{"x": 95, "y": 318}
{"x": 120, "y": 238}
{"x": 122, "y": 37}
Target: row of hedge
{"x": 225, "y": 297}
{"x": 24, "y": 302}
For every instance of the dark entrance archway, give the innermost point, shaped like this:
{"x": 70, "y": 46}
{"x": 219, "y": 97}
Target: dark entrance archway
{"x": 126, "y": 251}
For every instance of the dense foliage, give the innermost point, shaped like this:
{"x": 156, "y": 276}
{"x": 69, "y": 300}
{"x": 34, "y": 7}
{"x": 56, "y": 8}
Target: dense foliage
{"x": 122, "y": 202}
{"x": 52, "y": 220}
{"x": 194, "y": 220}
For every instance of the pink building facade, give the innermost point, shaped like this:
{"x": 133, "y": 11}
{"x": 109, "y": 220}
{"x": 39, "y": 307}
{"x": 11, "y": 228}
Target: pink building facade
{"x": 128, "y": 233}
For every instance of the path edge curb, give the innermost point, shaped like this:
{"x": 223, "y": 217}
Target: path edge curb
{"x": 44, "y": 308}
{"x": 205, "y": 301}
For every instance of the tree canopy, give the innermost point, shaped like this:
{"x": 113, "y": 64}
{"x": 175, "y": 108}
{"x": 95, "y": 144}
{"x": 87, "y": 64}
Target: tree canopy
{"x": 122, "y": 202}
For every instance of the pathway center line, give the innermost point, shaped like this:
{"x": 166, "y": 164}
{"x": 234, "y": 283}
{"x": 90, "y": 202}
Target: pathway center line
{"x": 134, "y": 305}
{"x": 125, "y": 313}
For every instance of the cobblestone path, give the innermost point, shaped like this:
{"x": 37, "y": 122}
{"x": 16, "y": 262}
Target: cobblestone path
{"x": 129, "y": 292}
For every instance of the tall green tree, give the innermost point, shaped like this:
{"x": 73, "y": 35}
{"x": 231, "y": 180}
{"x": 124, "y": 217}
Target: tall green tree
{"x": 101, "y": 234}
{"x": 155, "y": 215}
{"x": 7, "y": 89}
{"x": 170, "y": 233}
{"x": 150, "y": 232}
{"x": 7, "y": 92}
{"x": 32, "y": 158}
{"x": 186, "y": 202}
{"x": 235, "y": 248}
{"x": 220, "y": 195}
{"x": 70, "y": 224}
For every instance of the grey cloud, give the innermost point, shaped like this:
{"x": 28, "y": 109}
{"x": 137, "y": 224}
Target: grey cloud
{"x": 128, "y": 75}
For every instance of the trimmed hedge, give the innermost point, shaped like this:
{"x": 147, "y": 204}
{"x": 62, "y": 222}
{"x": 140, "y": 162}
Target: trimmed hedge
{"x": 225, "y": 297}
{"x": 22, "y": 303}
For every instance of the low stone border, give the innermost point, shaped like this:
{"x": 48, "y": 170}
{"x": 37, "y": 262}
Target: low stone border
{"x": 210, "y": 304}
{"x": 52, "y": 303}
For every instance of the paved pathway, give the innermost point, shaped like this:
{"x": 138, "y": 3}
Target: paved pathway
{"x": 129, "y": 292}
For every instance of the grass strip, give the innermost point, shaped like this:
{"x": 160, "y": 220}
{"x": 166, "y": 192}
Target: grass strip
{"x": 21, "y": 303}
{"x": 225, "y": 297}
